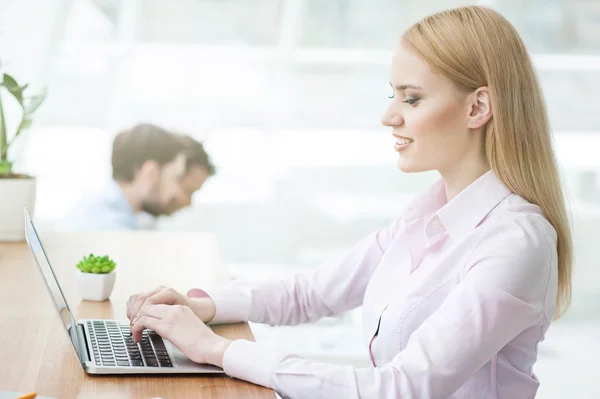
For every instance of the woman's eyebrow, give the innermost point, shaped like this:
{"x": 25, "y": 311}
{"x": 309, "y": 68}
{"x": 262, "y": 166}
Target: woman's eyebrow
{"x": 406, "y": 86}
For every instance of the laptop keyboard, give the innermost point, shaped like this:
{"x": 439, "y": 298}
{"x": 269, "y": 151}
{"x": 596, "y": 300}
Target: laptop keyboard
{"x": 112, "y": 346}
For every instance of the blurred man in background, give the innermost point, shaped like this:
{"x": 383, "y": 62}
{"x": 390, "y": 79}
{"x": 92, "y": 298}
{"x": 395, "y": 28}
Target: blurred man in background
{"x": 197, "y": 170}
{"x": 153, "y": 172}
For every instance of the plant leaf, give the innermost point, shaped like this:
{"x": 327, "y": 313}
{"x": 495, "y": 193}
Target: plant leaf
{"x": 9, "y": 82}
{"x": 34, "y": 102}
{"x": 5, "y": 168}
{"x": 13, "y": 87}
{"x": 25, "y": 123}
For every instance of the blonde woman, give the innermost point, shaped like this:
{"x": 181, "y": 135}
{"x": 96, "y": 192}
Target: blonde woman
{"x": 457, "y": 292}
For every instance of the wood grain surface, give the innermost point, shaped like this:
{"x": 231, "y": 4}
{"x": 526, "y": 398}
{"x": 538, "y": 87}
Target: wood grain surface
{"x": 35, "y": 354}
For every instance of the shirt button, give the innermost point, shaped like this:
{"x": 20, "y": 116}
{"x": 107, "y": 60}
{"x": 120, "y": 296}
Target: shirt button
{"x": 435, "y": 223}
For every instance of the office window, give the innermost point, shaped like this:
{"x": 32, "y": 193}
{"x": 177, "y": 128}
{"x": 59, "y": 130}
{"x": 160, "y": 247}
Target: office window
{"x": 253, "y": 22}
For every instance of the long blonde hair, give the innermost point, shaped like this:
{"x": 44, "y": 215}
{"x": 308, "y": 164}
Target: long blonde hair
{"x": 475, "y": 47}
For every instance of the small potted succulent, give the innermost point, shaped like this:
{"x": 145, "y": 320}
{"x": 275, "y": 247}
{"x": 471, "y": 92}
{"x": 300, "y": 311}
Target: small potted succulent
{"x": 95, "y": 277}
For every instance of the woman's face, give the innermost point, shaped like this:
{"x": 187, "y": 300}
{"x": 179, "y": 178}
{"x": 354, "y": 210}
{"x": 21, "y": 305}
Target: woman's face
{"x": 429, "y": 116}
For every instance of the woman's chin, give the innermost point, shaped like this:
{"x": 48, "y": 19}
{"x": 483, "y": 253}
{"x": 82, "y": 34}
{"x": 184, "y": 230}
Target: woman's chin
{"x": 406, "y": 167}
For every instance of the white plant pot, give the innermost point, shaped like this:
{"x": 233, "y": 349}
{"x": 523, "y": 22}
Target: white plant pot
{"x": 15, "y": 194}
{"x": 95, "y": 287}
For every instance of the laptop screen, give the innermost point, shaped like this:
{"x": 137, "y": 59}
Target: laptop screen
{"x": 58, "y": 298}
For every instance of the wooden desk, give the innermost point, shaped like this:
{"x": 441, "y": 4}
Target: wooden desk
{"x": 35, "y": 354}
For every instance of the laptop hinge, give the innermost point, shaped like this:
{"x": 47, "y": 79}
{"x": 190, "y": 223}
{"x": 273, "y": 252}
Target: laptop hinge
{"x": 84, "y": 350}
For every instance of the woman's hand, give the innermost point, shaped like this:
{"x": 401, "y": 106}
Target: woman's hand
{"x": 202, "y": 306}
{"x": 180, "y": 326}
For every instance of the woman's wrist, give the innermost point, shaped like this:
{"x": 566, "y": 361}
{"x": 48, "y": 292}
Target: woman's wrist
{"x": 217, "y": 350}
{"x": 203, "y": 308}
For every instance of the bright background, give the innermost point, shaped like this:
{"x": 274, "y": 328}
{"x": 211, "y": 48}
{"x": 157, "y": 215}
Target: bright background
{"x": 287, "y": 95}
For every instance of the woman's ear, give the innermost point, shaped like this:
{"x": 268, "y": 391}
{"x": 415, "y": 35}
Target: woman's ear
{"x": 480, "y": 108}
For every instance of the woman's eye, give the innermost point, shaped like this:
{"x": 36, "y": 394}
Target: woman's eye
{"x": 411, "y": 101}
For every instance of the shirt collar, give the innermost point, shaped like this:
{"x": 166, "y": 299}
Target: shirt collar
{"x": 428, "y": 202}
{"x": 464, "y": 212}
{"x": 117, "y": 200}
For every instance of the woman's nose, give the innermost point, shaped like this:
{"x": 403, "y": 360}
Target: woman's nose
{"x": 391, "y": 118}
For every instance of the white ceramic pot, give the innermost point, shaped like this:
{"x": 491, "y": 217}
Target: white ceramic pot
{"x": 15, "y": 194}
{"x": 95, "y": 287}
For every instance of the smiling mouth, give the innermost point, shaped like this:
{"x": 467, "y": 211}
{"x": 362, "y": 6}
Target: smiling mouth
{"x": 404, "y": 140}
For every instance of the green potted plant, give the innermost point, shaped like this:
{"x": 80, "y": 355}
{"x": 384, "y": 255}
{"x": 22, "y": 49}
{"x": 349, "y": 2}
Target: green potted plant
{"x": 17, "y": 190}
{"x": 95, "y": 277}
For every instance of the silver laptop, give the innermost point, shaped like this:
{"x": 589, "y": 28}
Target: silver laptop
{"x": 104, "y": 346}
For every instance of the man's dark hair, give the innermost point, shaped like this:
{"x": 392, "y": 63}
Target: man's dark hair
{"x": 142, "y": 143}
{"x": 196, "y": 155}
